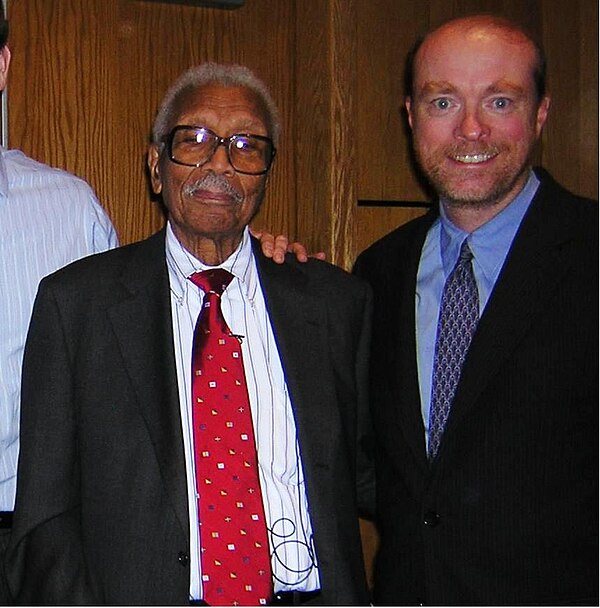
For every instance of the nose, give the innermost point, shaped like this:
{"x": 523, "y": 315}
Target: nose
{"x": 219, "y": 162}
{"x": 472, "y": 125}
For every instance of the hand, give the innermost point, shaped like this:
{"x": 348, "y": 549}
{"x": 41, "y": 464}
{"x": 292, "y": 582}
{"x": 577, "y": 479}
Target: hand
{"x": 275, "y": 247}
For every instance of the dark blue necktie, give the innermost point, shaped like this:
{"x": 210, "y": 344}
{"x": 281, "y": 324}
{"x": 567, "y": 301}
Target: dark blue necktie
{"x": 459, "y": 314}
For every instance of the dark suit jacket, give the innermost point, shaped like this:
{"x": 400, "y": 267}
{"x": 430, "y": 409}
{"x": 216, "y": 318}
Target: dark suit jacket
{"x": 102, "y": 513}
{"x": 508, "y": 513}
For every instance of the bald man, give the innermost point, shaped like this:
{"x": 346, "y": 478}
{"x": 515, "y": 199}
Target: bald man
{"x": 486, "y": 422}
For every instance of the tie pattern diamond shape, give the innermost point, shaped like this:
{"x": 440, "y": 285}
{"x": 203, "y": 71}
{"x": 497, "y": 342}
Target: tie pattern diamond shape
{"x": 236, "y": 568}
{"x": 458, "y": 318}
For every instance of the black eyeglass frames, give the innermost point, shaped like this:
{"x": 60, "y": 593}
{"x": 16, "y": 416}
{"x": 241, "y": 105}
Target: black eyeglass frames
{"x": 194, "y": 146}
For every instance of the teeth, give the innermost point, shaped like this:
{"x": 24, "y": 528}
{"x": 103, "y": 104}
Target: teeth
{"x": 473, "y": 158}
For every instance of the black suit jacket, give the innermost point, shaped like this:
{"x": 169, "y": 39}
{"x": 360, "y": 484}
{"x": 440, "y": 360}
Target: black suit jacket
{"x": 101, "y": 514}
{"x": 508, "y": 513}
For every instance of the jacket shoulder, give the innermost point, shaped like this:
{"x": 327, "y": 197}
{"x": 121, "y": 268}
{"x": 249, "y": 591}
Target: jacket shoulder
{"x": 313, "y": 275}
{"x": 101, "y": 268}
{"x": 569, "y": 212}
{"x": 399, "y": 243}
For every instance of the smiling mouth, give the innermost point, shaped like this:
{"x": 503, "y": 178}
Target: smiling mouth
{"x": 474, "y": 159}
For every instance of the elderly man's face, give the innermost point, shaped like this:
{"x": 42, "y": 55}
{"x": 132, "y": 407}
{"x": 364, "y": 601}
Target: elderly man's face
{"x": 212, "y": 202}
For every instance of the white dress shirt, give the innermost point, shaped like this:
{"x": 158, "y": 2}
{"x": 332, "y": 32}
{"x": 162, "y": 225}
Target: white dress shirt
{"x": 48, "y": 218}
{"x": 293, "y": 556}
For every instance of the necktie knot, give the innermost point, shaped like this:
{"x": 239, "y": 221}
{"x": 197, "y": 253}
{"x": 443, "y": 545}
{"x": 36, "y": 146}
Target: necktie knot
{"x": 215, "y": 280}
{"x": 466, "y": 255}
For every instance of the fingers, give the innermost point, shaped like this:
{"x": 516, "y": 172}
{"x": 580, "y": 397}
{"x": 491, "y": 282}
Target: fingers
{"x": 267, "y": 241}
{"x": 279, "y": 248}
{"x": 299, "y": 250}
{"x": 275, "y": 247}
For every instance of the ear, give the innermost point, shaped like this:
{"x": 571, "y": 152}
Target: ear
{"x": 542, "y": 115}
{"x": 153, "y": 166}
{"x": 408, "y": 106}
{"x": 4, "y": 63}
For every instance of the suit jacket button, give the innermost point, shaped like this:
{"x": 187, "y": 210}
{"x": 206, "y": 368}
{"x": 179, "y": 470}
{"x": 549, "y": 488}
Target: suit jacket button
{"x": 183, "y": 558}
{"x": 431, "y": 519}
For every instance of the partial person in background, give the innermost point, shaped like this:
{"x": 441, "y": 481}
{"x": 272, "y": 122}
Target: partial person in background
{"x": 48, "y": 218}
{"x": 484, "y": 366}
{"x": 191, "y": 409}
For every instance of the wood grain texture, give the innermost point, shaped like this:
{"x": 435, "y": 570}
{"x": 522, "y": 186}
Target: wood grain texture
{"x": 570, "y": 148}
{"x": 312, "y": 147}
{"x": 343, "y": 193}
{"x": 88, "y": 75}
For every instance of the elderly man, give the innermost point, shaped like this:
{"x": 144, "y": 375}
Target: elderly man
{"x": 190, "y": 408}
{"x": 485, "y": 345}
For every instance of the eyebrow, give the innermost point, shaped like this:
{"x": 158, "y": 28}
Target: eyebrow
{"x": 501, "y": 86}
{"x": 437, "y": 87}
{"x": 444, "y": 87}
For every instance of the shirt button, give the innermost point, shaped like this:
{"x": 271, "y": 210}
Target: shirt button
{"x": 431, "y": 519}
{"x": 183, "y": 558}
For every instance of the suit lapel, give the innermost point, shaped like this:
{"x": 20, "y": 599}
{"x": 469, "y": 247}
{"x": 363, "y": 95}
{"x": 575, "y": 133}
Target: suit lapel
{"x": 142, "y": 325}
{"x": 299, "y": 322}
{"x": 533, "y": 269}
{"x": 401, "y": 284}
{"x": 301, "y": 326}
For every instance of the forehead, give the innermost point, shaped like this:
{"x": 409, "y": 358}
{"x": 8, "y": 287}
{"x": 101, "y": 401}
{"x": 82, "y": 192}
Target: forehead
{"x": 475, "y": 57}
{"x": 222, "y": 108}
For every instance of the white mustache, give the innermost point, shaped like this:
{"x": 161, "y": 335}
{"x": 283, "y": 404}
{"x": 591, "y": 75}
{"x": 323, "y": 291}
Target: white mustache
{"x": 214, "y": 183}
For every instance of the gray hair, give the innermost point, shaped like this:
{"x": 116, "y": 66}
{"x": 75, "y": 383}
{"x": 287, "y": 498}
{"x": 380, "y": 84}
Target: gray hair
{"x": 227, "y": 75}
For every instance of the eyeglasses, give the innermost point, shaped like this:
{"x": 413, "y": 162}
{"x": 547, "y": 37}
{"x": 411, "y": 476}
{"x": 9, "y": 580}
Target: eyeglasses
{"x": 194, "y": 146}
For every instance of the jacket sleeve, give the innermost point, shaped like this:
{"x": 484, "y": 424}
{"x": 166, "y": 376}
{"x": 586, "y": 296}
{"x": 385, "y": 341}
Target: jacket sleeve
{"x": 45, "y": 562}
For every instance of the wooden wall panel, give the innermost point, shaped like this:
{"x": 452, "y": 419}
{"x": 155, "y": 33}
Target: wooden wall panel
{"x": 386, "y": 29}
{"x": 87, "y": 77}
{"x": 312, "y": 145}
{"x": 343, "y": 141}
{"x": 325, "y": 70}
{"x": 570, "y": 147}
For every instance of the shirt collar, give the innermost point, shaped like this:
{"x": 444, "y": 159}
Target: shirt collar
{"x": 182, "y": 264}
{"x": 489, "y": 243}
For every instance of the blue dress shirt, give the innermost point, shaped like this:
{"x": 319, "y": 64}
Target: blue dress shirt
{"x": 489, "y": 244}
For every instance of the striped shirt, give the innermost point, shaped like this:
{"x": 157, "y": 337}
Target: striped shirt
{"x": 280, "y": 468}
{"x": 48, "y": 218}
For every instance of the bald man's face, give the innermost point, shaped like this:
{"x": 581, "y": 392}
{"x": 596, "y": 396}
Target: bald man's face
{"x": 474, "y": 113}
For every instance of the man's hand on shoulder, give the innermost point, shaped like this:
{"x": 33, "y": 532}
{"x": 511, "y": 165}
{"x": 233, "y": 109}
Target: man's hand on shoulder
{"x": 275, "y": 247}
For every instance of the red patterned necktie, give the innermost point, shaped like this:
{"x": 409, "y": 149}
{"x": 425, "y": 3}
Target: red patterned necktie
{"x": 236, "y": 568}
